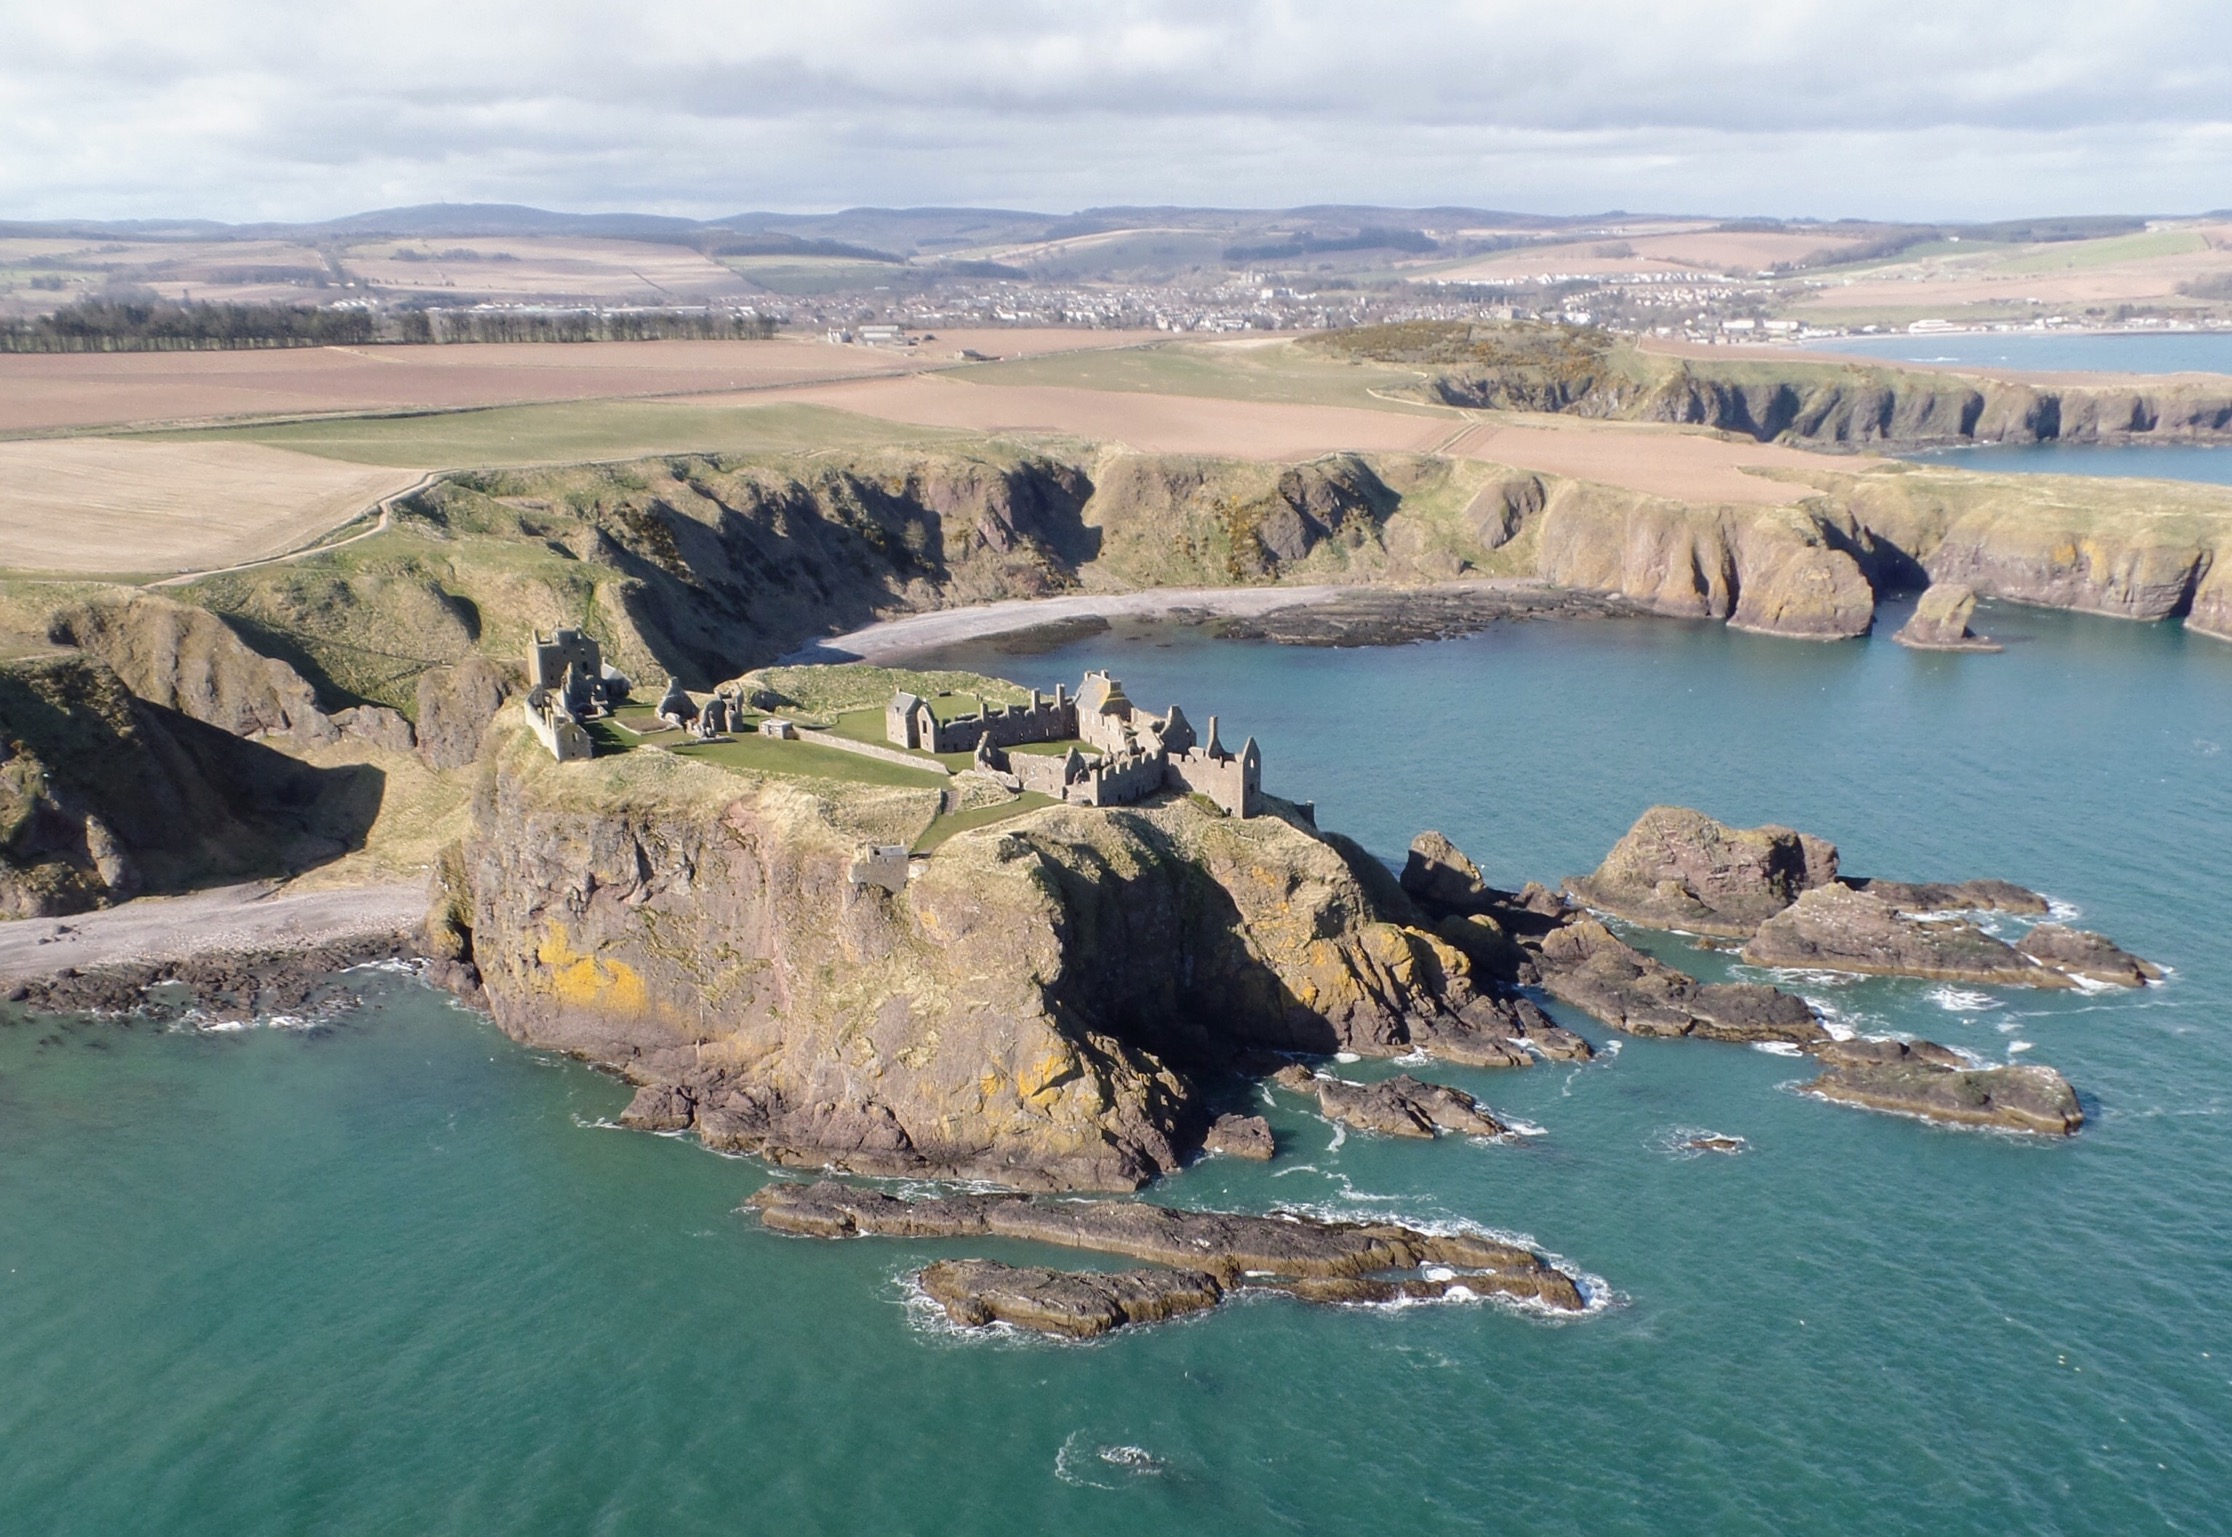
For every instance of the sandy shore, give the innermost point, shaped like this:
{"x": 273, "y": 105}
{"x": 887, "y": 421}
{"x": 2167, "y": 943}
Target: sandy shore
{"x": 894, "y": 640}
{"x": 236, "y": 919}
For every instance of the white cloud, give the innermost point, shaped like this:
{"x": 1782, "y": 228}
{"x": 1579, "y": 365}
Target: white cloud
{"x": 1925, "y": 108}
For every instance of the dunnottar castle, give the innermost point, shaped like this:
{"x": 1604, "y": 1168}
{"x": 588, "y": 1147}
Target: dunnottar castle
{"x": 1114, "y": 753}
{"x": 1132, "y": 752}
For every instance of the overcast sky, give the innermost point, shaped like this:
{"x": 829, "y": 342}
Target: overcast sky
{"x": 302, "y": 109}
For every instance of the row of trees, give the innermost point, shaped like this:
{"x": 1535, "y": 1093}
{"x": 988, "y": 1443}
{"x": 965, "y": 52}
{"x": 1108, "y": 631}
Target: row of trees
{"x": 157, "y": 325}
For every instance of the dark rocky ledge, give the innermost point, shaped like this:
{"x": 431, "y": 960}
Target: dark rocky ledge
{"x": 1586, "y": 965}
{"x": 258, "y": 984}
{"x": 1310, "y": 1257}
{"x": 1838, "y": 929}
{"x": 1397, "y": 616}
{"x": 1072, "y": 1303}
{"x": 1401, "y": 1106}
{"x": 1241, "y": 1136}
{"x": 1924, "y": 1079}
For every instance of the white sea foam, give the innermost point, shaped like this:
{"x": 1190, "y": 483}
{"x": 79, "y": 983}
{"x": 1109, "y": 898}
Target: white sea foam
{"x": 1526, "y": 1128}
{"x": 1682, "y": 1142}
{"x": 1340, "y": 1135}
{"x": 2015, "y": 1046}
{"x": 2063, "y": 912}
{"x": 1088, "y": 1467}
{"x": 1346, "y": 1057}
{"x": 1777, "y": 1048}
{"x": 1956, "y": 1000}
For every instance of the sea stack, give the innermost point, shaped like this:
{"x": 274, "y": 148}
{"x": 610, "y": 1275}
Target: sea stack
{"x": 1941, "y": 621}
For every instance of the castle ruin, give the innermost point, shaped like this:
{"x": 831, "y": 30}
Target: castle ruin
{"x": 567, "y": 684}
{"x": 1134, "y": 753}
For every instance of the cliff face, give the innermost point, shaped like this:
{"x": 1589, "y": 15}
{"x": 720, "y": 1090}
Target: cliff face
{"x": 104, "y": 796}
{"x": 1029, "y": 1008}
{"x": 1820, "y": 404}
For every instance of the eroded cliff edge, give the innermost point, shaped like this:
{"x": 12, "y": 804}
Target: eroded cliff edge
{"x": 1042, "y": 1004}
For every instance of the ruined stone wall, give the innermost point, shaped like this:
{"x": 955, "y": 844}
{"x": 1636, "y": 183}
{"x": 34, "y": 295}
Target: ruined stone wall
{"x": 1010, "y": 727}
{"x": 1120, "y": 781}
{"x": 1232, "y": 781}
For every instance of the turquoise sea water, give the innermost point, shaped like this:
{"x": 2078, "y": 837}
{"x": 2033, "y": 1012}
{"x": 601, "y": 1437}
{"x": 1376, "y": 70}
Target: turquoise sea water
{"x": 2116, "y": 461}
{"x": 2049, "y": 352}
{"x": 391, "y": 1275}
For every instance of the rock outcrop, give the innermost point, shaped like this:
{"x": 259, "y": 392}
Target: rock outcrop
{"x": 1401, "y": 1106}
{"x": 1234, "y": 1249}
{"x": 1072, "y": 1304}
{"x": 2032, "y": 1099}
{"x": 2080, "y": 953}
{"x": 1836, "y": 928}
{"x": 1241, "y": 1136}
{"x": 1952, "y": 896}
{"x": 1941, "y": 621}
{"x": 1680, "y": 869}
{"x": 1588, "y": 966}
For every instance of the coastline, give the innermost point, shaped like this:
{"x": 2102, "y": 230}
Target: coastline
{"x": 891, "y": 640}
{"x": 257, "y": 918}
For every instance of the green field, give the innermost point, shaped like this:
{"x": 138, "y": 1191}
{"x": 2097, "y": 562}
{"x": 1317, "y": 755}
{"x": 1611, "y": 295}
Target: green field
{"x": 1277, "y": 372}
{"x": 756, "y": 754}
{"x": 2081, "y": 255}
{"x": 574, "y": 432}
{"x": 982, "y": 816}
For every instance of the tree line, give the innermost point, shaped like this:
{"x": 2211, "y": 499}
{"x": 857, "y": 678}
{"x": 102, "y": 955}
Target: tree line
{"x": 159, "y": 325}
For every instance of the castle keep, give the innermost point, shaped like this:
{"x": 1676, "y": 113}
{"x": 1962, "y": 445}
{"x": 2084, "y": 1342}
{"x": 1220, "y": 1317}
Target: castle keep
{"x": 568, "y": 683}
{"x": 1134, "y": 753}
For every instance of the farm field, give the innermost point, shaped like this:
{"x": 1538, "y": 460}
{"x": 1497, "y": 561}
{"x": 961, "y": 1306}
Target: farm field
{"x": 572, "y": 432}
{"x": 1258, "y": 370}
{"x": 77, "y": 391}
{"x": 90, "y": 506}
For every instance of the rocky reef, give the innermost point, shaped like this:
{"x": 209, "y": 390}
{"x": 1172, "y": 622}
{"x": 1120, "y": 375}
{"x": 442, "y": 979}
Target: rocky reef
{"x": 1210, "y": 1254}
{"x": 1678, "y": 868}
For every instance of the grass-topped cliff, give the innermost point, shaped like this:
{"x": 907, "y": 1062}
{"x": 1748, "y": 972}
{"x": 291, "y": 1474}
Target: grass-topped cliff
{"x": 1048, "y": 1001}
{"x": 1528, "y": 367}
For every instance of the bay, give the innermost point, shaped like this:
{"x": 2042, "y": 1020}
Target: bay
{"x": 396, "y": 1273}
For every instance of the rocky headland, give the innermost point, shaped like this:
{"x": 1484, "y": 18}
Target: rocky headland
{"x": 1046, "y": 1002}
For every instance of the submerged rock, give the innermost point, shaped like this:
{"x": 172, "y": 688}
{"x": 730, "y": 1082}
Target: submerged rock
{"x": 2029, "y": 1098}
{"x": 1076, "y": 1304}
{"x": 1941, "y": 621}
{"x": 1231, "y": 1247}
{"x": 1680, "y": 869}
{"x": 1588, "y": 966}
{"x": 1836, "y": 928}
{"x": 1241, "y": 1136}
{"x": 2081, "y": 953}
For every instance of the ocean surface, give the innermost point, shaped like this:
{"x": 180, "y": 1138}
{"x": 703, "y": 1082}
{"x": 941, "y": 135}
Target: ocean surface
{"x": 393, "y": 1273}
{"x": 2117, "y": 461}
{"x": 2116, "y": 352}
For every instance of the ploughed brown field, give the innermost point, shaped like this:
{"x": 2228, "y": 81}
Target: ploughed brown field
{"x": 54, "y": 392}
